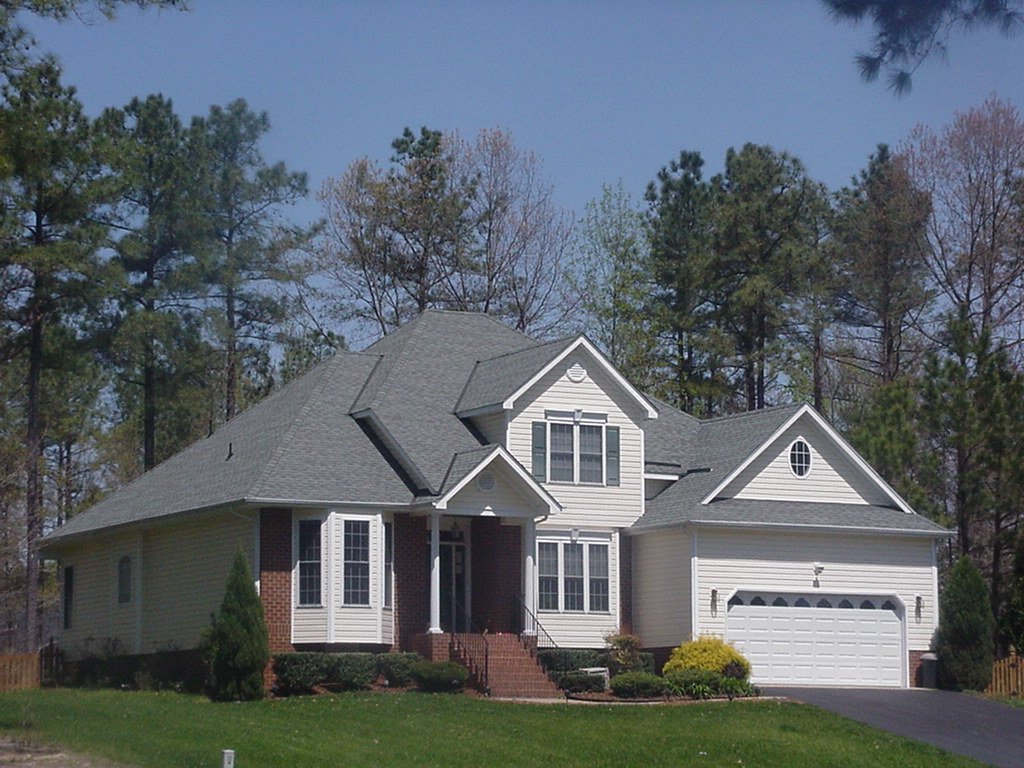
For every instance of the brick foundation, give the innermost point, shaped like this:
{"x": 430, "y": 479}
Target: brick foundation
{"x": 432, "y": 647}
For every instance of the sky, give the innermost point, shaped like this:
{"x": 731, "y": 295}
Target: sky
{"x": 600, "y": 91}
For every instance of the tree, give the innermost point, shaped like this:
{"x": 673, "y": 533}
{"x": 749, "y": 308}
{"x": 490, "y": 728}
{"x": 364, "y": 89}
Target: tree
{"x": 50, "y": 264}
{"x": 158, "y": 218}
{"x": 1013, "y": 613}
{"x": 964, "y": 640}
{"x": 973, "y": 171}
{"x": 244, "y": 263}
{"x": 907, "y": 32}
{"x": 236, "y": 645}
{"x": 881, "y": 247}
{"x": 765, "y": 238}
{"x": 615, "y": 282}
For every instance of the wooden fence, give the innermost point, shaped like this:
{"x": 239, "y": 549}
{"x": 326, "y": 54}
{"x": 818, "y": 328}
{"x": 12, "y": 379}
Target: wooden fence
{"x": 19, "y": 671}
{"x": 1007, "y": 677}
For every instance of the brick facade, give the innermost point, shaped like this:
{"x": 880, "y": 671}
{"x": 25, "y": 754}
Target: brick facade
{"x": 412, "y": 580}
{"x": 496, "y": 553}
{"x": 914, "y": 665}
{"x": 276, "y": 576}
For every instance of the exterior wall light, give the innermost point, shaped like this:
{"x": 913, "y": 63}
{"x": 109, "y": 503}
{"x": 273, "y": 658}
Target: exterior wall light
{"x": 918, "y": 606}
{"x": 574, "y": 535}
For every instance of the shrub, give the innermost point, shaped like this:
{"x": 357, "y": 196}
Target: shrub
{"x": 580, "y": 682}
{"x": 569, "y": 659}
{"x": 695, "y": 683}
{"x": 235, "y": 646}
{"x": 637, "y": 685}
{"x": 297, "y": 673}
{"x": 624, "y": 654}
{"x": 709, "y": 653}
{"x": 396, "y": 668}
{"x": 964, "y": 642}
{"x": 439, "y": 676}
{"x": 735, "y": 688}
{"x": 350, "y": 671}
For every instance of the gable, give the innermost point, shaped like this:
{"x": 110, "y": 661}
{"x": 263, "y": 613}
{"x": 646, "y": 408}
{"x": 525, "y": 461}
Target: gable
{"x": 832, "y": 477}
{"x": 495, "y": 491}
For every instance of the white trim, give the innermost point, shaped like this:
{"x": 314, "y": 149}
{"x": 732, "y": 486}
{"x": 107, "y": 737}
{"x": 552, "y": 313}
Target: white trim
{"x": 694, "y": 582}
{"x": 810, "y": 457}
{"x": 499, "y": 452}
{"x": 830, "y": 432}
{"x": 322, "y": 517}
{"x": 585, "y": 540}
{"x": 583, "y": 341}
{"x": 654, "y": 476}
{"x": 943, "y": 534}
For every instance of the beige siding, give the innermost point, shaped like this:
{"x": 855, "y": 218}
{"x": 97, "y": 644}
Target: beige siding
{"x": 584, "y": 630}
{"x": 184, "y": 570}
{"x": 90, "y": 612}
{"x": 784, "y": 562}
{"x": 614, "y": 507}
{"x": 502, "y": 499}
{"x": 833, "y": 476}
{"x": 661, "y": 587}
{"x": 124, "y": 617}
{"x": 492, "y": 427}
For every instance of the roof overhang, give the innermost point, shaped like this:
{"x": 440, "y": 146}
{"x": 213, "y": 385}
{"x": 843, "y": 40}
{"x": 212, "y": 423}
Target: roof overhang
{"x": 845, "y": 448}
{"x": 792, "y": 527}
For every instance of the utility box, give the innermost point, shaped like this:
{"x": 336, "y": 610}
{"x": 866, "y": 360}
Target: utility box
{"x": 929, "y": 671}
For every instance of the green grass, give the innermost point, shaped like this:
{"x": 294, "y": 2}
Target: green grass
{"x": 164, "y": 729}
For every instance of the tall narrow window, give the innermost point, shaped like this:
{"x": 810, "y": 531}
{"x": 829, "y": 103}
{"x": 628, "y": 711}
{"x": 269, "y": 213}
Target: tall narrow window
{"x": 124, "y": 580}
{"x": 591, "y": 454}
{"x": 562, "y": 453}
{"x": 573, "y": 577}
{"x": 389, "y": 564}
{"x": 69, "y": 595}
{"x": 598, "y": 554}
{"x": 547, "y": 576}
{"x": 310, "y": 570}
{"x": 356, "y": 588}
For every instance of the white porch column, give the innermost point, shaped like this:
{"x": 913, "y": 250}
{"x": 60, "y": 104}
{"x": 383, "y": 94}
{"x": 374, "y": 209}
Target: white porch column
{"x": 530, "y": 575}
{"x": 435, "y": 574}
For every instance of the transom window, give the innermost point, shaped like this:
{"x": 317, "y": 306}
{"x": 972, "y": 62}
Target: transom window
{"x": 800, "y": 458}
{"x": 310, "y": 563}
{"x": 356, "y": 576}
{"x": 572, "y": 577}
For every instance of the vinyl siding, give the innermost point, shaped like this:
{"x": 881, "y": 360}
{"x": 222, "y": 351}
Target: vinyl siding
{"x": 500, "y": 500}
{"x": 578, "y": 629}
{"x": 586, "y": 505}
{"x": 90, "y": 611}
{"x": 335, "y": 622}
{"x": 661, "y": 587}
{"x": 783, "y": 562}
{"x": 832, "y": 478}
{"x": 184, "y": 571}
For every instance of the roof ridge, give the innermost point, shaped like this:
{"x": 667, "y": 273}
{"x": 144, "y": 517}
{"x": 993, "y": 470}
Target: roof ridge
{"x": 748, "y": 414}
{"x": 536, "y": 345}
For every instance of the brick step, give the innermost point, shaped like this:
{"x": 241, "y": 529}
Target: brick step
{"x": 512, "y": 671}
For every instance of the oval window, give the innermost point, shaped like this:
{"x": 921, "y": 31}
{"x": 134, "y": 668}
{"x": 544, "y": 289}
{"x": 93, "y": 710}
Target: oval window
{"x": 800, "y": 458}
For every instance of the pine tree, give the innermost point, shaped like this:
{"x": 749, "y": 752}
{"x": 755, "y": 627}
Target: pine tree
{"x": 236, "y": 644}
{"x": 964, "y": 642}
{"x": 1013, "y": 610}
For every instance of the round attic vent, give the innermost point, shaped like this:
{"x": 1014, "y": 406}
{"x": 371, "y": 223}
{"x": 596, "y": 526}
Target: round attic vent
{"x": 576, "y": 373}
{"x": 485, "y": 481}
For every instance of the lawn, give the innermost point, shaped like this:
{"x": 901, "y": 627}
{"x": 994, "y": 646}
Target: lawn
{"x": 164, "y": 729}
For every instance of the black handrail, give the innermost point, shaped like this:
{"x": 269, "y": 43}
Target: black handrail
{"x": 532, "y": 626}
{"x": 463, "y": 641}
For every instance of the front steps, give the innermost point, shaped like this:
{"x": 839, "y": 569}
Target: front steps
{"x": 513, "y": 672}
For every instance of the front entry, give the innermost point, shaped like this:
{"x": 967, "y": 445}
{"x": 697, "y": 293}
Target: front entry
{"x": 454, "y": 605}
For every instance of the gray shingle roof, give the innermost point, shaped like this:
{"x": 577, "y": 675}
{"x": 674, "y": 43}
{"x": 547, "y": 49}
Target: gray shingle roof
{"x": 494, "y": 380}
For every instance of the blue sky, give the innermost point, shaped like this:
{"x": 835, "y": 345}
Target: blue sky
{"x": 600, "y": 91}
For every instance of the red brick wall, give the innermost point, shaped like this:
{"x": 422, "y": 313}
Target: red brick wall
{"x": 496, "y": 554}
{"x": 412, "y": 580}
{"x": 914, "y": 665}
{"x": 276, "y": 576}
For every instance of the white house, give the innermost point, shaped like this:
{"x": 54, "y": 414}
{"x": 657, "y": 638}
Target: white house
{"x": 458, "y": 476}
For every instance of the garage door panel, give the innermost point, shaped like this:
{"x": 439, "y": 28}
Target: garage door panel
{"x": 818, "y": 646}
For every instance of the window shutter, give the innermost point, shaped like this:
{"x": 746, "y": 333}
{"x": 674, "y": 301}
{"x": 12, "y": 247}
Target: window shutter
{"x": 612, "y": 455}
{"x": 540, "y": 451}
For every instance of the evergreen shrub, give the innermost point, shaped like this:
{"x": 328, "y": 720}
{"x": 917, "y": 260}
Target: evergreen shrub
{"x": 236, "y": 646}
{"x": 580, "y": 682}
{"x": 1012, "y": 625}
{"x": 396, "y": 668}
{"x": 637, "y": 685}
{"x": 439, "y": 676}
{"x": 570, "y": 659}
{"x": 350, "y": 671}
{"x": 711, "y": 654}
{"x": 297, "y": 673}
{"x": 964, "y": 641}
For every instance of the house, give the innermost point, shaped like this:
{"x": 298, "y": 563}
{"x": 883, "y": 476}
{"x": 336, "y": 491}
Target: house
{"x": 457, "y": 476}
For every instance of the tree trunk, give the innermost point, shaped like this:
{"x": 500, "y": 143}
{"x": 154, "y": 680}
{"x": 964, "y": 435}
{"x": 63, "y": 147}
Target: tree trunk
{"x": 231, "y": 370}
{"x": 33, "y": 472}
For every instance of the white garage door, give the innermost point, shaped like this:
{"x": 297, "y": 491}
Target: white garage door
{"x": 818, "y": 639}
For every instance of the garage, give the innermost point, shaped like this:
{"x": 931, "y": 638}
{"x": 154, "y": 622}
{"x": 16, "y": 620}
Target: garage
{"x": 818, "y": 639}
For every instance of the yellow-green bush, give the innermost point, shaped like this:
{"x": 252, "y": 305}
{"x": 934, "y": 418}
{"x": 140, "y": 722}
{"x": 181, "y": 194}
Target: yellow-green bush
{"x": 711, "y": 654}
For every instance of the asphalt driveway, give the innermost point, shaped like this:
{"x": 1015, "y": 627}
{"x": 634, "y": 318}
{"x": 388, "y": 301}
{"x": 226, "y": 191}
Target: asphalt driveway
{"x": 967, "y": 725}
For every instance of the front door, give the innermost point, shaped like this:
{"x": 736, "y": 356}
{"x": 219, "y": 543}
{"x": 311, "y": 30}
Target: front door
{"x": 454, "y": 616}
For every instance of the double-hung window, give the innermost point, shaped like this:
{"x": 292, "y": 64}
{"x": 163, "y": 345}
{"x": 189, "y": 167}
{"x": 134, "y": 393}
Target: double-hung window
{"x": 389, "y": 564}
{"x": 575, "y": 447}
{"x": 310, "y": 564}
{"x": 356, "y": 567}
{"x": 572, "y": 577}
